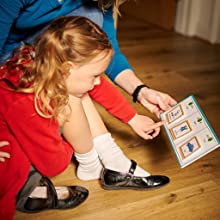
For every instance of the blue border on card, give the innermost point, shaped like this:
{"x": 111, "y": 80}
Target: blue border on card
{"x": 208, "y": 124}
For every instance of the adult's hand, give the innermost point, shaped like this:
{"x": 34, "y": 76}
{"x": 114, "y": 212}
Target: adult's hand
{"x": 3, "y": 154}
{"x": 155, "y": 101}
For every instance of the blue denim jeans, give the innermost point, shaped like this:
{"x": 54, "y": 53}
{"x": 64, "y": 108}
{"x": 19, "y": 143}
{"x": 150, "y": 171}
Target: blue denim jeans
{"x": 89, "y": 11}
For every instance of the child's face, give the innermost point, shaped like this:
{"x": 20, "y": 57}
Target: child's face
{"x": 83, "y": 78}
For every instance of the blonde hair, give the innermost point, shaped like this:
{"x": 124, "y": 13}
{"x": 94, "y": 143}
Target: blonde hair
{"x": 74, "y": 39}
{"x": 105, "y": 4}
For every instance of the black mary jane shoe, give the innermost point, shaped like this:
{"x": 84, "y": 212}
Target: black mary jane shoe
{"x": 113, "y": 180}
{"x": 77, "y": 195}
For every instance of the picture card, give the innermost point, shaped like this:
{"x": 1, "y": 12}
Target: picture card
{"x": 189, "y": 131}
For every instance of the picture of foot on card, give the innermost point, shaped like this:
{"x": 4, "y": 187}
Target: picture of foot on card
{"x": 180, "y": 130}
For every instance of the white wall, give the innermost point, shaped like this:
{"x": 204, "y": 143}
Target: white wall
{"x": 199, "y": 18}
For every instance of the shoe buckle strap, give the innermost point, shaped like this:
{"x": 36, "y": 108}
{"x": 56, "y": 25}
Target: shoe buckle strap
{"x": 132, "y": 167}
{"x": 130, "y": 173}
{"x": 51, "y": 191}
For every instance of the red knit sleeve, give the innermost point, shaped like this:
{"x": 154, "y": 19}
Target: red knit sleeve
{"x": 107, "y": 95}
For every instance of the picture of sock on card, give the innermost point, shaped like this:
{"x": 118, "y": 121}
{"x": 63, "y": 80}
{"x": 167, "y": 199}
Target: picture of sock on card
{"x": 180, "y": 129}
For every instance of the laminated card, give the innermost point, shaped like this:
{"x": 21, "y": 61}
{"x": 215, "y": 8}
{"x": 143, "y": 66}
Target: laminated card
{"x": 189, "y": 131}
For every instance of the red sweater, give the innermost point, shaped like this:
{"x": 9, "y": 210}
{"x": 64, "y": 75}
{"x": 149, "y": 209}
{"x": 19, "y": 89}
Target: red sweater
{"x": 33, "y": 140}
{"x": 36, "y": 140}
{"x": 111, "y": 99}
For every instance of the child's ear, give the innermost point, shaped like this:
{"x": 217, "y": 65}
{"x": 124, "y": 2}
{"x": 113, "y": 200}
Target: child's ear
{"x": 67, "y": 66}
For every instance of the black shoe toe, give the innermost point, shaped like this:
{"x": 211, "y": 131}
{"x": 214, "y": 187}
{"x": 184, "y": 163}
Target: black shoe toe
{"x": 76, "y": 196}
{"x": 113, "y": 180}
{"x": 153, "y": 181}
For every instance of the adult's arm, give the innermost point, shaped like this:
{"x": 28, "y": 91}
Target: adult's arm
{"x": 119, "y": 62}
{"x": 9, "y": 11}
{"x": 122, "y": 73}
{"x": 119, "y": 70}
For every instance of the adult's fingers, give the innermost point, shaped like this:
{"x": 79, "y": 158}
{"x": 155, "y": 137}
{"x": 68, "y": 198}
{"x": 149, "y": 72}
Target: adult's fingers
{"x": 3, "y": 143}
{"x": 4, "y": 154}
{"x": 162, "y": 104}
{"x": 172, "y": 101}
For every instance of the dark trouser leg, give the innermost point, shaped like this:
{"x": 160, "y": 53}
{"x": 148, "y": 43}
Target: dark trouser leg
{"x": 34, "y": 178}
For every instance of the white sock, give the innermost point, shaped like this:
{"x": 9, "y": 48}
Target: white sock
{"x": 41, "y": 192}
{"x": 112, "y": 156}
{"x": 90, "y": 166}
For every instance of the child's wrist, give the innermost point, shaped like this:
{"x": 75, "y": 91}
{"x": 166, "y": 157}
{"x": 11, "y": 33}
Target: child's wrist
{"x": 132, "y": 119}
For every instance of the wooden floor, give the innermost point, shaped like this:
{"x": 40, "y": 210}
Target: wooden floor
{"x": 179, "y": 66}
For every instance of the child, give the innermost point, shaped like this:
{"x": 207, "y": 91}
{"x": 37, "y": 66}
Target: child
{"x": 50, "y": 91}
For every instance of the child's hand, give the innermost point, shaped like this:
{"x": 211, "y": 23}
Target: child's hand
{"x": 3, "y": 154}
{"x": 145, "y": 126}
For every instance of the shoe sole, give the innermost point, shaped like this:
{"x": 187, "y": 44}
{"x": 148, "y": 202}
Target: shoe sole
{"x": 107, "y": 187}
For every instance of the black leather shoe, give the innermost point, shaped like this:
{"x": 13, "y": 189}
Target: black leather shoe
{"x": 77, "y": 195}
{"x": 113, "y": 180}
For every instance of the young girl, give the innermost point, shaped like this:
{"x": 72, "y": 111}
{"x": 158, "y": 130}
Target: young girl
{"x": 45, "y": 89}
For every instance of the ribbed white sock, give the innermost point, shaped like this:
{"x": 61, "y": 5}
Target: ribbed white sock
{"x": 112, "y": 156}
{"x": 90, "y": 166}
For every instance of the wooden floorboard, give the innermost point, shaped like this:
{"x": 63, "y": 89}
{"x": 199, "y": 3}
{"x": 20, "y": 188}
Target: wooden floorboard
{"x": 179, "y": 66}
